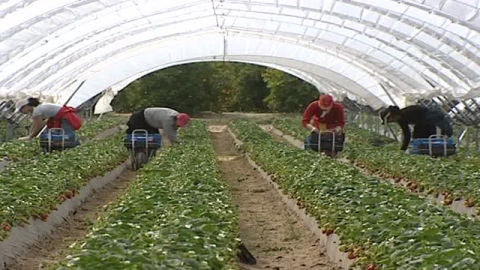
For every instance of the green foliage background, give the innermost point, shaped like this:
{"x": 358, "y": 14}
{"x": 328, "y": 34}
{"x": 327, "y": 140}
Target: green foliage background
{"x": 217, "y": 87}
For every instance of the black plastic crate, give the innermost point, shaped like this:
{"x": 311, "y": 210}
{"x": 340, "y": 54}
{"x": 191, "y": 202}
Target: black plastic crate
{"x": 329, "y": 141}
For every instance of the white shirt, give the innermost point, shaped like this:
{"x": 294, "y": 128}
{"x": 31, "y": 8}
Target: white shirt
{"x": 163, "y": 118}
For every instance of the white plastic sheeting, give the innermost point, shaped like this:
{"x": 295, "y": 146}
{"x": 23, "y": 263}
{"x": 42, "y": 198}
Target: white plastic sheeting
{"x": 103, "y": 103}
{"x": 380, "y": 52}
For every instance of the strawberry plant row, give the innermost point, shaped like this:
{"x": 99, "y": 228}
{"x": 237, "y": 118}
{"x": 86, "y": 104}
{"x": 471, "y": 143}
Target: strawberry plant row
{"x": 93, "y": 128}
{"x": 177, "y": 215}
{"x": 33, "y": 189}
{"x": 26, "y": 150}
{"x": 455, "y": 177}
{"x": 378, "y": 224}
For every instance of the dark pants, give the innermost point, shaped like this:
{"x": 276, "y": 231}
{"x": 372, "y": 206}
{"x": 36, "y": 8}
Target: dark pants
{"x": 424, "y": 130}
{"x": 137, "y": 121}
{"x": 441, "y": 120}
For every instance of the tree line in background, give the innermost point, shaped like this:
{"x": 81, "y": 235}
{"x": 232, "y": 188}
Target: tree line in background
{"x": 217, "y": 87}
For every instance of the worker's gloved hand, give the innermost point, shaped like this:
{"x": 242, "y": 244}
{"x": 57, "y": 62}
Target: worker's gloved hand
{"x": 26, "y": 138}
{"x": 337, "y": 129}
{"x": 314, "y": 130}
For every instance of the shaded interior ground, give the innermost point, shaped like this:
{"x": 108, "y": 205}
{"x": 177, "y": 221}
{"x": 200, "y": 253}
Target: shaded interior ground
{"x": 274, "y": 235}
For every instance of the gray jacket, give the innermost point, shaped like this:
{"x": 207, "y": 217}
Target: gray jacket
{"x": 163, "y": 118}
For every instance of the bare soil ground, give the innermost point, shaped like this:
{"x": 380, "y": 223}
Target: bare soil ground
{"x": 274, "y": 235}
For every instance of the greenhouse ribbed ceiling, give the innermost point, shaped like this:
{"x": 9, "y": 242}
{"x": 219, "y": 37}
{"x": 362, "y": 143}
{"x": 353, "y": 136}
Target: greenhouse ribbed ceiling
{"x": 380, "y": 52}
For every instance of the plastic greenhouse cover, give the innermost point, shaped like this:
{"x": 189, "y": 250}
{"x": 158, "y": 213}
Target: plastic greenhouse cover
{"x": 381, "y": 52}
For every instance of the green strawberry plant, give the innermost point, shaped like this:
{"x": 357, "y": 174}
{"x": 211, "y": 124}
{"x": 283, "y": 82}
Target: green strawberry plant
{"x": 95, "y": 127}
{"x": 379, "y": 224}
{"x": 177, "y": 215}
{"x": 33, "y": 188}
{"x": 456, "y": 176}
{"x": 26, "y": 150}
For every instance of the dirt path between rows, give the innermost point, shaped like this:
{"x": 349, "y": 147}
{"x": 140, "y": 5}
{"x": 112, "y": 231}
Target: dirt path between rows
{"x": 274, "y": 235}
{"x": 75, "y": 228}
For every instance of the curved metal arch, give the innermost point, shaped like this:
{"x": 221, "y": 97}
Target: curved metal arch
{"x": 98, "y": 81}
{"x": 371, "y": 64}
{"x": 66, "y": 51}
{"x": 441, "y": 10}
{"x": 95, "y": 48}
{"x": 89, "y": 2}
{"x": 379, "y": 9}
{"x": 470, "y": 48}
{"x": 82, "y": 54}
{"x": 425, "y": 51}
{"x": 320, "y": 77}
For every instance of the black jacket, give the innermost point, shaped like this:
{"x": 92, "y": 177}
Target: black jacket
{"x": 425, "y": 121}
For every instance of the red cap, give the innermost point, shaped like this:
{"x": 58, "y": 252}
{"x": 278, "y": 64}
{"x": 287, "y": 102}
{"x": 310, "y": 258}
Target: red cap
{"x": 183, "y": 119}
{"x": 325, "y": 101}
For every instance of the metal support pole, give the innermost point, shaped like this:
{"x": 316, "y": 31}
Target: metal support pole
{"x": 394, "y": 103}
{"x": 392, "y": 132}
{"x": 477, "y": 143}
{"x": 466, "y": 137}
{"x": 461, "y": 137}
{"x": 473, "y": 117}
{"x": 388, "y": 94}
{"x": 466, "y": 118}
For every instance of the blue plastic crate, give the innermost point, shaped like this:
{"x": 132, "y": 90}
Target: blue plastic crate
{"x": 58, "y": 140}
{"x": 433, "y": 146}
{"x": 141, "y": 140}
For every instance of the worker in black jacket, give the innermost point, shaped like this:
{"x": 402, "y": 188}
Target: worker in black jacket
{"x": 425, "y": 121}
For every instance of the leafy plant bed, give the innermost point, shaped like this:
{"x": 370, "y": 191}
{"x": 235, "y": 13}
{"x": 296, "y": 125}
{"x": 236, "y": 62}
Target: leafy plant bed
{"x": 96, "y": 127}
{"x": 33, "y": 189}
{"x": 378, "y": 224}
{"x": 14, "y": 151}
{"x": 20, "y": 238}
{"x": 458, "y": 205}
{"x": 453, "y": 179}
{"x": 177, "y": 215}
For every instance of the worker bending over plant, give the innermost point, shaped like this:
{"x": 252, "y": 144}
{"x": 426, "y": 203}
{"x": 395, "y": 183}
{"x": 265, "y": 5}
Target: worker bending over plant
{"x": 323, "y": 115}
{"x": 155, "y": 118}
{"x": 425, "y": 121}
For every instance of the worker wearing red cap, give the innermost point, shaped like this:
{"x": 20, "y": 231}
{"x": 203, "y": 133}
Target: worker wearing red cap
{"x": 153, "y": 119}
{"x": 324, "y": 114}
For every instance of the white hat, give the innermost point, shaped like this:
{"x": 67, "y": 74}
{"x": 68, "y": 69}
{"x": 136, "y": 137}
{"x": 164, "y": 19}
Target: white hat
{"x": 20, "y": 104}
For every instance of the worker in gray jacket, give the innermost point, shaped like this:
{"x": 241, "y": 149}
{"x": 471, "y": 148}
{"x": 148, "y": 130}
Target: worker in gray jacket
{"x": 59, "y": 117}
{"x": 153, "y": 119}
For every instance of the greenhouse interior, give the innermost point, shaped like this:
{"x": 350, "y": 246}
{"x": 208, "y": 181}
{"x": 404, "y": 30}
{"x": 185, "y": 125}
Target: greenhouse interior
{"x": 240, "y": 134}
